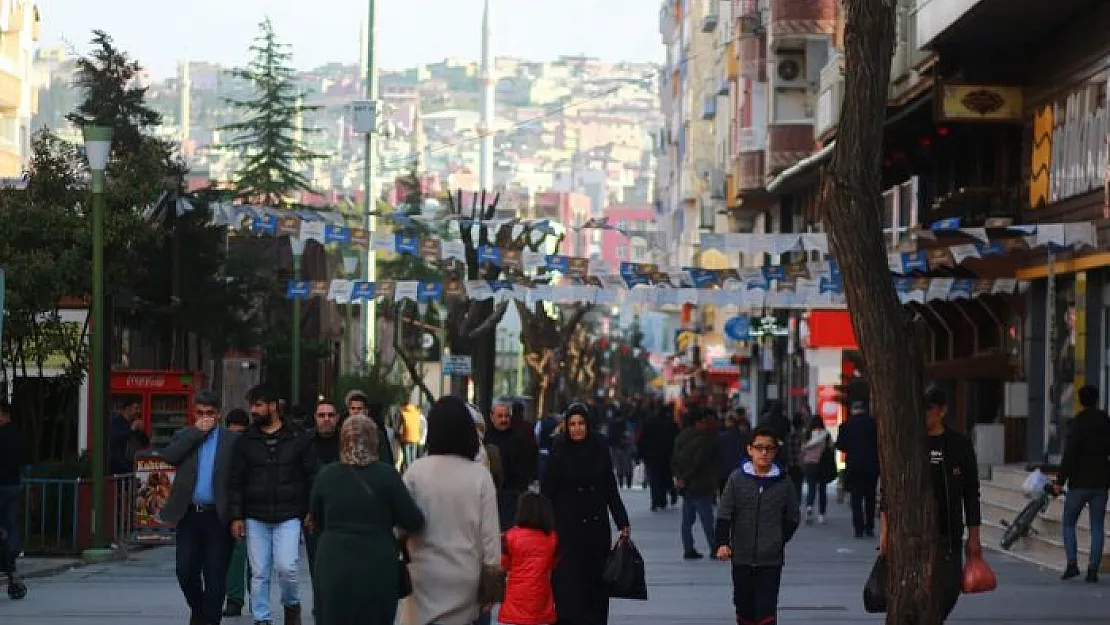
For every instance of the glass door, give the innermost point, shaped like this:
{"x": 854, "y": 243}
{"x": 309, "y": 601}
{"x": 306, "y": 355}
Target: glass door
{"x": 168, "y": 414}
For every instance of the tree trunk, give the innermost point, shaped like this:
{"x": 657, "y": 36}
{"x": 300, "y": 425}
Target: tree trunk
{"x": 853, "y": 198}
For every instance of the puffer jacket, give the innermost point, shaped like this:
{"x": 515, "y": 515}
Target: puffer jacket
{"x": 528, "y": 558}
{"x": 757, "y": 516}
{"x": 271, "y": 475}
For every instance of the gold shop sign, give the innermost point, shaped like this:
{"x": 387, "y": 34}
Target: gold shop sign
{"x": 965, "y": 102}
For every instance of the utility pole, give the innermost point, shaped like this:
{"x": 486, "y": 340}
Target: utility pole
{"x": 369, "y": 268}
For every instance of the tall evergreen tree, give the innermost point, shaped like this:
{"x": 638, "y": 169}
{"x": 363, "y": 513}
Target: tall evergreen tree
{"x": 269, "y": 138}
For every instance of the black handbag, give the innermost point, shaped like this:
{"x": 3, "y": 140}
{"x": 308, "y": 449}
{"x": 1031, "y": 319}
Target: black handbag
{"x": 874, "y": 590}
{"x": 404, "y": 578}
{"x": 827, "y": 465}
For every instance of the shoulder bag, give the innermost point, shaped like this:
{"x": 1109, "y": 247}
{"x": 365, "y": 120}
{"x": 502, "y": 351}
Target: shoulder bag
{"x": 404, "y": 578}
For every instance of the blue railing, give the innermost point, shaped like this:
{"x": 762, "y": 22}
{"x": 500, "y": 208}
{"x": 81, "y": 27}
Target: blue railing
{"x": 56, "y": 513}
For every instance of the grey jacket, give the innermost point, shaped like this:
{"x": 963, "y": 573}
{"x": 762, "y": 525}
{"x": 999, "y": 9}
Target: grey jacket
{"x": 757, "y": 516}
{"x": 182, "y": 454}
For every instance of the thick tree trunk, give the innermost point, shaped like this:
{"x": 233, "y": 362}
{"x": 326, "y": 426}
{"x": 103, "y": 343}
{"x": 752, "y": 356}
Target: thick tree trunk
{"x": 852, "y": 218}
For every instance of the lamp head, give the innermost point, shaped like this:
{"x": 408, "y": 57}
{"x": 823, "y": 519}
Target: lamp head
{"x": 98, "y": 146}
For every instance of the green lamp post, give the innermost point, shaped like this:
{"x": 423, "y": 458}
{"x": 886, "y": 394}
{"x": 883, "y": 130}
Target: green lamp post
{"x": 350, "y": 271}
{"x": 297, "y": 244}
{"x": 98, "y": 147}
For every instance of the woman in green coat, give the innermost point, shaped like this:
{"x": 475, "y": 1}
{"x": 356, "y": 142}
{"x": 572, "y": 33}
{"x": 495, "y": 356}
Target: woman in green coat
{"x": 356, "y": 503}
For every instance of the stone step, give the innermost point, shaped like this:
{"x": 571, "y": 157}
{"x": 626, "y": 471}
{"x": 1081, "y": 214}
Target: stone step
{"x": 1015, "y": 500}
{"x": 1047, "y": 527}
{"x": 1041, "y": 549}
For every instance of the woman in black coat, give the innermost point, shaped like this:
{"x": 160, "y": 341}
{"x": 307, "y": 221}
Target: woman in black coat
{"x": 580, "y": 483}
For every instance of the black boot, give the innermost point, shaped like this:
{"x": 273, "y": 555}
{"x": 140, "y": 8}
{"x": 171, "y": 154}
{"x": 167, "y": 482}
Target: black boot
{"x": 1071, "y": 571}
{"x": 1092, "y": 576}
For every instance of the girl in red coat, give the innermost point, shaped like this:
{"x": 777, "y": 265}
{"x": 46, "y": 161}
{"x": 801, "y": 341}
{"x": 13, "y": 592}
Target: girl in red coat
{"x": 528, "y": 558}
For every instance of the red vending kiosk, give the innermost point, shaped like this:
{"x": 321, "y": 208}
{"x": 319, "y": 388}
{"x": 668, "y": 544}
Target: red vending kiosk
{"x": 166, "y": 398}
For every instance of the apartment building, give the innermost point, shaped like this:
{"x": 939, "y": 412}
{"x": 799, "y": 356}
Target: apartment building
{"x": 19, "y": 83}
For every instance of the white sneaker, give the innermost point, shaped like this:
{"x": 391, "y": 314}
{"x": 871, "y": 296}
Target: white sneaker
{"x": 820, "y": 519}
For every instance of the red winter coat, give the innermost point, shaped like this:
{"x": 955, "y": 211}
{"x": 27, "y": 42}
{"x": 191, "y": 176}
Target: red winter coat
{"x": 528, "y": 559}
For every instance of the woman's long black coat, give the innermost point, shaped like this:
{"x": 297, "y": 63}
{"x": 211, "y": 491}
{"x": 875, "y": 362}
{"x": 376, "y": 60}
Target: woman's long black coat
{"x": 579, "y": 481}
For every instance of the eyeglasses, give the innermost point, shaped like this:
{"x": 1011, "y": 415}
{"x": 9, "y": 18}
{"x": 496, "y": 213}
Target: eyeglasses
{"x": 206, "y": 412}
{"x": 764, "y": 449}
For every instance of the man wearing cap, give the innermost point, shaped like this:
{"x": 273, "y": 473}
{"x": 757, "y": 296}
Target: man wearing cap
{"x": 954, "y": 475}
{"x": 859, "y": 440}
{"x": 198, "y": 504}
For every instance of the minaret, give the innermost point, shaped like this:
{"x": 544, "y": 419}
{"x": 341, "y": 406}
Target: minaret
{"x": 363, "y": 50}
{"x": 486, "y": 82}
{"x": 186, "y": 111}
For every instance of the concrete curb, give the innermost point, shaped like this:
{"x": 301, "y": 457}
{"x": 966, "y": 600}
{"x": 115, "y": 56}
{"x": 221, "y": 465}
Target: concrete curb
{"x": 120, "y": 555}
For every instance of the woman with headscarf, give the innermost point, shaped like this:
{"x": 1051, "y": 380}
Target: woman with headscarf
{"x": 580, "y": 483}
{"x": 356, "y": 503}
{"x": 456, "y": 494}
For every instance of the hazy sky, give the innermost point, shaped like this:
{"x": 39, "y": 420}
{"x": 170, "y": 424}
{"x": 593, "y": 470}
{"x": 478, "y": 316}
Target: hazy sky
{"x": 410, "y": 31}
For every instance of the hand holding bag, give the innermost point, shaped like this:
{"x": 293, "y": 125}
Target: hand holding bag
{"x": 978, "y": 576}
{"x": 625, "y": 576}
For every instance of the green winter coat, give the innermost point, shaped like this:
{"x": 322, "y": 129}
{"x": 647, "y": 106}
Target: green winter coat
{"x": 356, "y": 555}
{"x": 695, "y": 460}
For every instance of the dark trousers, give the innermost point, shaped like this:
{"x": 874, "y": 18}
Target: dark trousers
{"x": 659, "y": 482}
{"x": 755, "y": 594}
{"x": 862, "y": 488}
{"x": 506, "y": 508}
{"x": 9, "y": 506}
{"x": 816, "y": 489}
{"x": 203, "y": 555}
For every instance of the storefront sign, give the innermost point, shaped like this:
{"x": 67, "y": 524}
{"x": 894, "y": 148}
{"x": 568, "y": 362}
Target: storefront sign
{"x": 979, "y": 103}
{"x": 153, "y": 481}
{"x": 1069, "y": 154}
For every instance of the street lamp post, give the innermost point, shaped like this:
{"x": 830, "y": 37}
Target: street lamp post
{"x": 98, "y": 147}
{"x": 350, "y": 270}
{"x": 297, "y": 245}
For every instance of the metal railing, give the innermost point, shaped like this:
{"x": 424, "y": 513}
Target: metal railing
{"x": 56, "y": 515}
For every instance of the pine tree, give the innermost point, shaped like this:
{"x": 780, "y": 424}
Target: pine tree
{"x": 108, "y": 79}
{"x": 266, "y": 139}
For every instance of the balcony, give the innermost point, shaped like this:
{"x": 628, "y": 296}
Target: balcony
{"x": 801, "y": 18}
{"x": 788, "y": 143}
{"x": 830, "y": 96}
{"x": 749, "y": 172}
{"x": 709, "y": 107}
{"x": 11, "y": 90}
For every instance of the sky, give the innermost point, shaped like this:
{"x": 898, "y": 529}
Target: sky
{"x": 322, "y": 31}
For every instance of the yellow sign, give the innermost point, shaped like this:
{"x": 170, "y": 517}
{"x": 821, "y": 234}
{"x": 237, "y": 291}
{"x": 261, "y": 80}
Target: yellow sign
{"x": 987, "y": 103}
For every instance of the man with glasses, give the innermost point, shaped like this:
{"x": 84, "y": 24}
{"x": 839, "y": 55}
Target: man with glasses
{"x": 199, "y": 505}
{"x": 757, "y": 516}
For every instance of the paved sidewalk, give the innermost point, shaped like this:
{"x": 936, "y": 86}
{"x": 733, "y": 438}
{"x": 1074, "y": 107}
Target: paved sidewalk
{"x": 823, "y": 581}
{"x": 822, "y": 584}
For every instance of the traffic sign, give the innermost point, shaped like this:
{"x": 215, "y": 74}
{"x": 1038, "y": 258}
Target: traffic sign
{"x": 738, "y": 328}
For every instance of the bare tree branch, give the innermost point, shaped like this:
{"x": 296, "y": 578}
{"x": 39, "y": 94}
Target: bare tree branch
{"x": 411, "y": 368}
{"x": 491, "y": 321}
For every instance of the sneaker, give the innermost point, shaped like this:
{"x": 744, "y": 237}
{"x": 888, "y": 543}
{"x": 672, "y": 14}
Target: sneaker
{"x": 1071, "y": 571}
{"x": 692, "y": 554}
{"x": 1092, "y": 576}
{"x": 820, "y": 519}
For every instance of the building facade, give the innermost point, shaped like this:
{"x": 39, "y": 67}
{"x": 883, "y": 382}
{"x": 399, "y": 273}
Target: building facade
{"x": 19, "y": 83}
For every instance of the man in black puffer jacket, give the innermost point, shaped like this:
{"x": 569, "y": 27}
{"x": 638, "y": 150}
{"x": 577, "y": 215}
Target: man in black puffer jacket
{"x": 271, "y": 476}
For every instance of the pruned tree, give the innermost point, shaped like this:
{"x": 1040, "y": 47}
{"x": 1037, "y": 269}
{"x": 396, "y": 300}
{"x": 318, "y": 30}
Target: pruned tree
{"x": 269, "y": 140}
{"x": 545, "y": 332}
{"x": 852, "y": 192}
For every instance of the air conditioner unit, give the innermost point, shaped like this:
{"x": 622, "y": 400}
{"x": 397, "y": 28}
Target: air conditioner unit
{"x": 790, "y": 70}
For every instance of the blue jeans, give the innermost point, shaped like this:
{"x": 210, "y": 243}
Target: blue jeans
{"x": 694, "y": 506}
{"x": 816, "y": 488}
{"x": 9, "y": 502}
{"x": 1095, "y": 501}
{"x": 276, "y": 545}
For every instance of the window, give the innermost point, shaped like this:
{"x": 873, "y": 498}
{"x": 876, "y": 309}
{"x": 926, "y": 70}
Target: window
{"x": 622, "y": 253}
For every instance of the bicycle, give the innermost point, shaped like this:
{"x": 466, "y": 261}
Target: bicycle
{"x": 1022, "y": 524}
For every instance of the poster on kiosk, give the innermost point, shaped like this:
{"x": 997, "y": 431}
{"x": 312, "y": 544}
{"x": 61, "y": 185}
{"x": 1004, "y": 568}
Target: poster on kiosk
{"x": 165, "y": 400}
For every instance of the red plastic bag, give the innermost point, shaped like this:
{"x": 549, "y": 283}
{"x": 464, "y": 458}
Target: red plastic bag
{"x": 978, "y": 576}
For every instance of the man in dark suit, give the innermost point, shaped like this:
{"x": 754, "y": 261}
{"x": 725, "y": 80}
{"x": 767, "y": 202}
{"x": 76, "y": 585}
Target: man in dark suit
{"x": 198, "y": 504}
